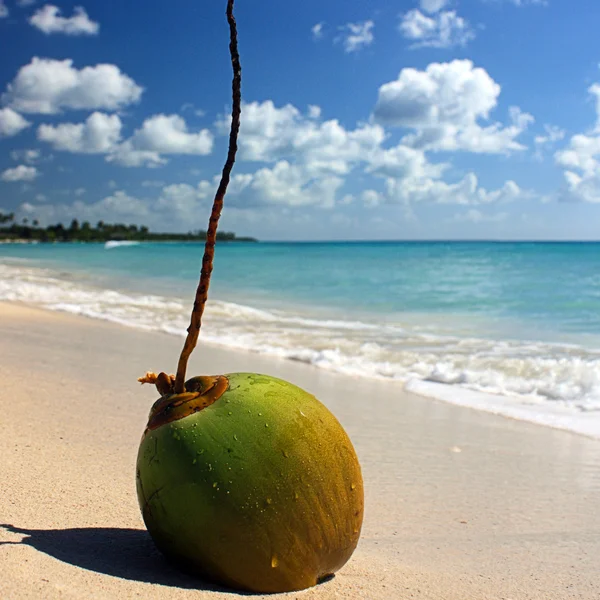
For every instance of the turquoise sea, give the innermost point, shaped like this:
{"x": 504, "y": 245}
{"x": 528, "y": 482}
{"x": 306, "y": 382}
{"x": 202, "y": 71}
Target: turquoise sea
{"x": 512, "y": 328}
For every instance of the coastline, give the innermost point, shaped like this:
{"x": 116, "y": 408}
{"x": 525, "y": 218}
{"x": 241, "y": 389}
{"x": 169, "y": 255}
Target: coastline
{"x": 460, "y": 504}
{"x": 488, "y": 320}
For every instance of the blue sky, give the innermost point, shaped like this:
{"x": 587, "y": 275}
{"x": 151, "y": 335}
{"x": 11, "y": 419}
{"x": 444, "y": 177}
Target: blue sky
{"x": 426, "y": 119}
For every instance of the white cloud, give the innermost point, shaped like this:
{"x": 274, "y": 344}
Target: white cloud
{"x": 119, "y": 206}
{"x": 371, "y": 198}
{"x": 476, "y": 216}
{"x": 583, "y": 154}
{"x": 402, "y": 162}
{"x": 311, "y": 159}
{"x": 29, "y": 156}
{"x": 189, "y": 106}
{"x": 444, "y": 92}
{"x": 444, "y": 105}
{"x": 314, "y": 112}
{"x": 161, "y": 134}
{"x": 49, "y": 20}
{"x": 330, "y": 148}
{"x": 127, "y": 156}
{"x": 3, "y": 10}
{"x": 168, "y": 134}
{"x": 99, "y": 134}
{"x": 20, "y": 173}
{"x": 552, "y": 135}
{"x": 594, "y": 90}
{"x": 291, "y": 185}
{"x": 581, "y": 161}
{"x": 582, "y": 188}
{"x": 441, "y": 30}
{"x": 175, "y": 208}
{"x": 266, "y": 131}
{"x": 184, "y": 199}
{"x": 317, "y": 31}
{"x": 80, "y": 192}
{"x": 433, "y": 6}
{"x": 357, "y": 36}
{"x": 284, "y": 184}
{"x": 41, "y": 198}
{"x": 11, "y": 122}
{"x": 270, "y": 134}
{"x": 46, "y": 86}
{"x": 528, "y": 2}
{"x": 467, "y": 191}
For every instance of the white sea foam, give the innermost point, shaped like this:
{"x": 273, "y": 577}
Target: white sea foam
{"x": 552, "y": 384}
{"x": 119, "y": 244}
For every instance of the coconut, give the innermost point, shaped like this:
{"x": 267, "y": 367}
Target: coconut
{"x": 245, "y": 479}
{"x": 251, "y": 482}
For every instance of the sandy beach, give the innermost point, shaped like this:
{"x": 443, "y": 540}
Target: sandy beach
{"x": 460, "y": 504}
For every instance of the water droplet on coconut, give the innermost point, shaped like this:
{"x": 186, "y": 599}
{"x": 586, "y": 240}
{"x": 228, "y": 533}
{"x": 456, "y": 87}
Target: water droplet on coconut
{"x": 269, "y": 501}
{"x": 353, "y": 487}
{"x": 266, "y": 424}
{"x": 215, "y": 484}
{"x": 274, "y": 562}
{"x": 235, "y": 437}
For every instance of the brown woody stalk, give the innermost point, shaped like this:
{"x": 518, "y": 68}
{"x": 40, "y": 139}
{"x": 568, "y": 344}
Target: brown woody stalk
{"x": 211, "y": 235}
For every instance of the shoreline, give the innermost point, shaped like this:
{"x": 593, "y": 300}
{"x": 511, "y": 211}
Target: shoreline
{"x": 460, "y": 504}
{"x": 555, "y": 415}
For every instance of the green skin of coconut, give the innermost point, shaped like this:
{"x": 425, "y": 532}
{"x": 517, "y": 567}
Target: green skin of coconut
{"x": 260, "y": 490}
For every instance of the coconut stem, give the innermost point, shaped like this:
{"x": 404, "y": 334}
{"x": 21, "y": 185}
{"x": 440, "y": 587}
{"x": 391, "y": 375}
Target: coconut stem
{"x": 193, "y": 330}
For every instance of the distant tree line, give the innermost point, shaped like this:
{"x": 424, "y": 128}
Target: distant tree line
{"x": 103, "y": 232}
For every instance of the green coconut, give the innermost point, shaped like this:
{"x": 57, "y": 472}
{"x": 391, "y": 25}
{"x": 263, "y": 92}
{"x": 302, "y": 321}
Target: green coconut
{"x": 251, "y": 482}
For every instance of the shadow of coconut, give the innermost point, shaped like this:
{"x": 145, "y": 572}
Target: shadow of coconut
{"x": 125, "y": 553}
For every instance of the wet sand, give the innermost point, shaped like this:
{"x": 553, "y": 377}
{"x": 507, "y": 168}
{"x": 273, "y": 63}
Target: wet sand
{"x": 460, "y": 504}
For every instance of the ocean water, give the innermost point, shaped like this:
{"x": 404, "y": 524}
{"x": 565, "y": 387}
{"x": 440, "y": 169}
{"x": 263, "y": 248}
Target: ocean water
{"x": 511, "y": 328}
